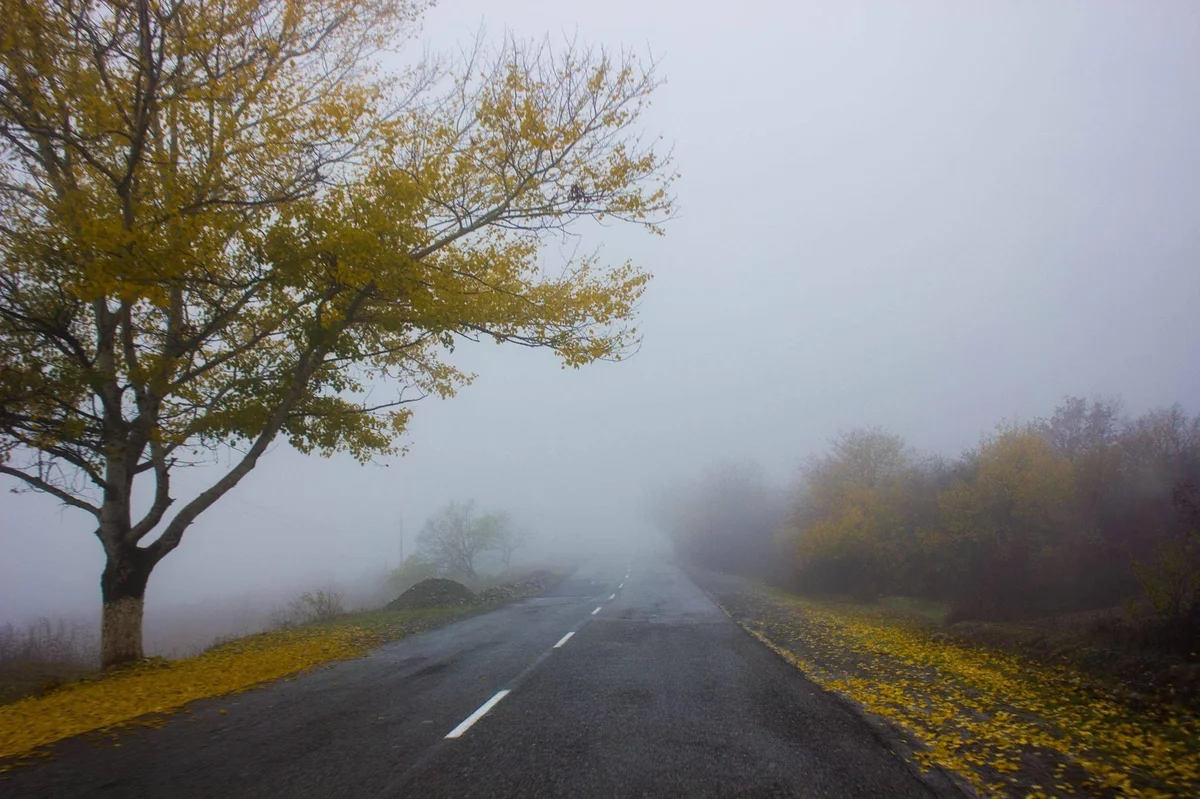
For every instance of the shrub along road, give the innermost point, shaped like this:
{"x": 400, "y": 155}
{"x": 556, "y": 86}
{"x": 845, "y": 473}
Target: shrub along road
{"x": 654, "y": 692}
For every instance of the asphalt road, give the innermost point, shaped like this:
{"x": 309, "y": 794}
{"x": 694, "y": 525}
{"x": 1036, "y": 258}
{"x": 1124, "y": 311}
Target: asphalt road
{"x": 656, "y": 693}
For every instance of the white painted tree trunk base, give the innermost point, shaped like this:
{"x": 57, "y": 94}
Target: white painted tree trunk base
{"x": 121, "y": 632}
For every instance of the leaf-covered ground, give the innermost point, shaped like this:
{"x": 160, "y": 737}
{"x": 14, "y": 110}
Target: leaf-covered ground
{"x": 1007, "y": 725}
{"x": 146, "y": 692}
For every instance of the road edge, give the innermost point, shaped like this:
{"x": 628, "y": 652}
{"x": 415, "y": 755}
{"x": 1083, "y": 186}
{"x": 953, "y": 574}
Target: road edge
{"x": 31, "y": 757}
{"x": 943, "y": 784}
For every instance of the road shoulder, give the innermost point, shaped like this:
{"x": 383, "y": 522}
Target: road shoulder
{"x": 1006, "y": 725}
{"x": 749, "y": 606}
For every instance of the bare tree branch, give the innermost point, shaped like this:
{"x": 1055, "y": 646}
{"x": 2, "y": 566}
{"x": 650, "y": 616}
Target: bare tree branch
{"x": 41, "y": 485}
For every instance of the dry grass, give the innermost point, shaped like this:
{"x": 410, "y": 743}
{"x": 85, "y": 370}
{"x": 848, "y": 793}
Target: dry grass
{"x": 43, "y": 655}
{"x": 325, "y": 604}
{"x": 145, "y": 692}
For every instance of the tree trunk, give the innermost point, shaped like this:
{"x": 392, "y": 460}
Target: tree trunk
{"x": 123, "y": 588}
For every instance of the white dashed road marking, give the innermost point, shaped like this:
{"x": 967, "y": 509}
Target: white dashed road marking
{"x": 622, "y": 585}
{"x": 564, "y": 639}
{"x": 597, "y": 610}
{"x": 611, "y": 597}
{"x": 478, "y": 714}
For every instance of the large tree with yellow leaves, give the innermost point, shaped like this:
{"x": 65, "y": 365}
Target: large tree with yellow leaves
{"x": 226, "y": 222}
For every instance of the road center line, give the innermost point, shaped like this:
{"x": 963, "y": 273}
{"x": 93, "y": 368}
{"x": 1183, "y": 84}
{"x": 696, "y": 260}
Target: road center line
{"x": 622, "y": 585}
{"x": 477, "y": 715}
{"x": 597, "y": 610}
{"x": 565, "y": 638}
{"x": 611, "y": 597}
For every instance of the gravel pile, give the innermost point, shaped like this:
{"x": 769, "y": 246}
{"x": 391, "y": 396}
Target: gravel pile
{"x": 437, "y": 592}
{"x": 532, "y": 584}
{"x": 499, "y": 593}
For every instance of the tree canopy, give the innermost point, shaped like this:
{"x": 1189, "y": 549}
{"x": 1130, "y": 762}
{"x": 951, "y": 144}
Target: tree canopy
{"x": 456, "y": 536}
{"x": 221, "y": 223}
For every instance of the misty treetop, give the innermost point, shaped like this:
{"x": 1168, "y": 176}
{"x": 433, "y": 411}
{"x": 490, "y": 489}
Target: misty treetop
{"x": 453, "y": 539}
{"x": 222, "y": 223}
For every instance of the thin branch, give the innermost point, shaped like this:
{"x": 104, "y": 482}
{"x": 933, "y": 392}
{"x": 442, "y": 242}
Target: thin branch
{"x": 41, "y": 485}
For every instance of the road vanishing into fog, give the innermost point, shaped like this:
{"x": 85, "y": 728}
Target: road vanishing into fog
{"x": 625, "y": 680}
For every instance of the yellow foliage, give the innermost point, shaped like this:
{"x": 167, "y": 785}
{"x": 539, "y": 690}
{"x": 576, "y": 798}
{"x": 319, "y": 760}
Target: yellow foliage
{"x": 852, "y": 522}
{"x": 1020, "y": 490}
{"x": 1171, "y": 580}
{"x": 268, "y": 223}
{"x": 158, "y": 687}
{"x": 985, "y": 714}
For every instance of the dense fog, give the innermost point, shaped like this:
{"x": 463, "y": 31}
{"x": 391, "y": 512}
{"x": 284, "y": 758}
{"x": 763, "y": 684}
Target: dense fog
{"x": 922, "y": 219}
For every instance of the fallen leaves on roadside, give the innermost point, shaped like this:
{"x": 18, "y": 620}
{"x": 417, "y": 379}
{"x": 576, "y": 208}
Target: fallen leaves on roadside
{"x": 142, "y": 694}
{"x": 1009, "y": 726}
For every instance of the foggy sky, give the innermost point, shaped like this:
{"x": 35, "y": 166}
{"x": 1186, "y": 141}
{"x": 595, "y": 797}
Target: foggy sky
{"x": 925, "y": 216}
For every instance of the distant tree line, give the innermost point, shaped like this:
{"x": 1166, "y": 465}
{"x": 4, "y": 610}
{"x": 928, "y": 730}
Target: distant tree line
{"x": 1082, "y": 510}
{"x": 726, "y": 519}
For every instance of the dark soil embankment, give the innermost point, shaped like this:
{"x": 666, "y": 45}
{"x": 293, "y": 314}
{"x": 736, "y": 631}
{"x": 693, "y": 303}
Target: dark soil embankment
{"x": 440, "y": 592}
{"x": 437, "y": 592}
